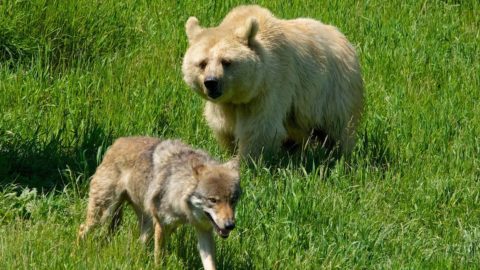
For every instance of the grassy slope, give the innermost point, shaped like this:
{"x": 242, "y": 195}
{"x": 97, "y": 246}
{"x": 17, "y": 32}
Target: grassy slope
{"x": 75, "y": 76}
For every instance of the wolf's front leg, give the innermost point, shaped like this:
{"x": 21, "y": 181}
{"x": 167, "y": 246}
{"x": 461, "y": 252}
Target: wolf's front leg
{"x": 206, "y": 247}
{"x": 159, "y": 242}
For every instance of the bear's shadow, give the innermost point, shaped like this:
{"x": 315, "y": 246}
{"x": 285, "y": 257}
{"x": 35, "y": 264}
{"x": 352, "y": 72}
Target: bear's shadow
{"x": 315, "y": 152}
{"x": 371, "y": 148}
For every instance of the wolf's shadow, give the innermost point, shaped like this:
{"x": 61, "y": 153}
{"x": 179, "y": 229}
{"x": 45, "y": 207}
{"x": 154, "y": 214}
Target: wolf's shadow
{"x": 36, "y": 162}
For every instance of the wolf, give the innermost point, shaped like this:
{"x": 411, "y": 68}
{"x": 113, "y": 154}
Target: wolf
{"x": 168, "y": 183}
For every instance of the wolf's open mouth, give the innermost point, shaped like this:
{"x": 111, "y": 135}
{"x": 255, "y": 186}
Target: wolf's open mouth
{"x": 222, "y": 232}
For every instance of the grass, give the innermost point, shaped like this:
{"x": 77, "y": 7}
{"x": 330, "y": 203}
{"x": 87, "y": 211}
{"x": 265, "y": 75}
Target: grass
{"x": 74, "y": 76}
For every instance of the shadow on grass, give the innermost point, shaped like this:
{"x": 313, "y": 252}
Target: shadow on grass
{"x": 372, "y": 149}
{"x": 40, "y": 163}
{"x": 309, "y": 157}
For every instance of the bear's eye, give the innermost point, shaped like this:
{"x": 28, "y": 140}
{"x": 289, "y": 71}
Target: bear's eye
{"x": 202, "y": 64}
{"x": 226, "y": 63}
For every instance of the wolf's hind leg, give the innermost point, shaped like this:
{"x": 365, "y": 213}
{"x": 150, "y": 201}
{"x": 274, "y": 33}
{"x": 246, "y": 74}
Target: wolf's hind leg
{"x": 102, "y": 204}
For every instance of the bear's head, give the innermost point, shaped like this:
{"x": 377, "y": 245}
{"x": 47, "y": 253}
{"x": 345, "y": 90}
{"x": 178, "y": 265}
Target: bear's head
{"x": 221, "y": 62}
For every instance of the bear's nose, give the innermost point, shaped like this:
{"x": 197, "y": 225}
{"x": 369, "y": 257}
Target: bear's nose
{"x": 211, "y": 83}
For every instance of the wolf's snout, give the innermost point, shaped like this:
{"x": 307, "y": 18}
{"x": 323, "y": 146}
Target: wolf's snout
{"x": 230, "y": 225}
{"x": 212, "y": 85}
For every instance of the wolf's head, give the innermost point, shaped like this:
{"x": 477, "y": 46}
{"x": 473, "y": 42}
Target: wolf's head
{"x": 217, "y": 193}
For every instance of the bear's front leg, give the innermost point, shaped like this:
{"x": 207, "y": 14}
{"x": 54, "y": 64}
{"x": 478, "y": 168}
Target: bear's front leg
{"x": 225, "y": 139}
{"x": 258, "y": 135}
{"x": 221, "y": 120}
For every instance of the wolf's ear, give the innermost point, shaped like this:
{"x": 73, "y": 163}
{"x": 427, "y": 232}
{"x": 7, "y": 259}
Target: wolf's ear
{"x": 198, "y": 166}
{"x": 233, "y": 164}
{"x": 192, "y": 28}
{"x": 247, "y": 32}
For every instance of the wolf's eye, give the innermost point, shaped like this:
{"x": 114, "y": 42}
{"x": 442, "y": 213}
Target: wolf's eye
{"x": 226, "y": 63}
{"x": 212, "y": 200}
{"x": 202, "y": 64}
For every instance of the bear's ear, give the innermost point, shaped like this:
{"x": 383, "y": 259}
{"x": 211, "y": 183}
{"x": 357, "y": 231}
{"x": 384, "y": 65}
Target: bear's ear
{"x": 192, "y": 28}
{"x": 247, "y": 32}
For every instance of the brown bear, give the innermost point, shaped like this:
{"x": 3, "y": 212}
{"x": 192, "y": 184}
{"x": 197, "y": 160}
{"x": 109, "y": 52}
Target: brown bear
{"x": 267, "y": 80}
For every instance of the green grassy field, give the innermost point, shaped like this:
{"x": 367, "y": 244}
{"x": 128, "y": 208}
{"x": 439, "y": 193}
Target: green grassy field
{"x": 74, "y": 75}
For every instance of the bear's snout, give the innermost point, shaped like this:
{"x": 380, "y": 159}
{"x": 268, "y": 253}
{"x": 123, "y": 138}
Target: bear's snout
{"x": 212, "y": 86}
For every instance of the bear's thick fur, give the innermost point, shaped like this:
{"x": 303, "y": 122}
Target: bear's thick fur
{"x": 268, "y": 80}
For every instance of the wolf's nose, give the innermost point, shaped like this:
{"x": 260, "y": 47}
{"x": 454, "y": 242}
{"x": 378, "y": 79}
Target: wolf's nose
{"x": 230, "y": 225}
{"x": 211, "y": 83}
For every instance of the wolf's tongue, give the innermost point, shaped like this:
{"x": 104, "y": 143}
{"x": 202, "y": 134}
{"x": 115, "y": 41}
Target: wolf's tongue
{"x": 223, "y": 233}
